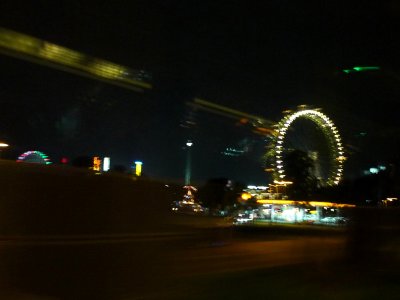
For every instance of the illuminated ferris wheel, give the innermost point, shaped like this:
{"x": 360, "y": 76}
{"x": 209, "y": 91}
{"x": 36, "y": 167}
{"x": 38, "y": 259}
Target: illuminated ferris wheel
{"x": 37, "y": 157}
{"x": 328, "y": 150}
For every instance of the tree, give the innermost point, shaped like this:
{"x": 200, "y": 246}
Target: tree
{"x": 219, "y": 193}
{"x": 299, "y": 170}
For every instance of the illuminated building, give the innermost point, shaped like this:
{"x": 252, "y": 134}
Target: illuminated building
{"x": 274, "y": 207}
{"x": 291, "y": 211}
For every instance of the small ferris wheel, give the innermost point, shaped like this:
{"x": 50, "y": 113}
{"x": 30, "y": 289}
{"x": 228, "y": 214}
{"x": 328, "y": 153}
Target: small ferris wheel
{"x": 37, "y": 157}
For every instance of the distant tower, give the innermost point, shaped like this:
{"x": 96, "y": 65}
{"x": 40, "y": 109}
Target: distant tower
{"x": 188, "y": 169}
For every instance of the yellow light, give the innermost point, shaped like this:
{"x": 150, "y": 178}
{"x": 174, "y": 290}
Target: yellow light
{"x": 3, "y": 145}
{"x": 312, "y": 203}
{"x": 272, "y": 201}
{"x": 245, "y": 196}
{"x": 33, "y": 49}
{"x": 283, "y": 182}
{"x": 96, "y": 163}
{"x": 321, "y": 120}
{"x": 138, "y": 168}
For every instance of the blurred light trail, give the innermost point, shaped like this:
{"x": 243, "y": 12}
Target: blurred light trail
{"x": 42, "y": 52}
{"x": 361, "y": 69}
{"x": 260, "y": 124}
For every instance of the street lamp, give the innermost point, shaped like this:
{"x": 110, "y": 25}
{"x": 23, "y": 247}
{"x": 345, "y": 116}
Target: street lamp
{"x": 2, "y": 146}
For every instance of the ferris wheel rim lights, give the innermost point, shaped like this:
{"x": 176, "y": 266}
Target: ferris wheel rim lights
{"x": 24, "y": 155}
{"x": 322, "y": 121}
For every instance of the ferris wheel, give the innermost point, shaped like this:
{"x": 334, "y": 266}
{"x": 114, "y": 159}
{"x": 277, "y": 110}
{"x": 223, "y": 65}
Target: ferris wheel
{"x": 327, "y": 154}
{"x": 37, "y": 157}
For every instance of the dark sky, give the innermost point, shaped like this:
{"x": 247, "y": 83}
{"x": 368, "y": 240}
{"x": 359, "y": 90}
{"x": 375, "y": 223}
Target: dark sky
{"x": 260, "y": 58}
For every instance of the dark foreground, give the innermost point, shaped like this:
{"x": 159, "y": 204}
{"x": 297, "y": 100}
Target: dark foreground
{"x": 73, "y": 235}
{"x": 190, "y": 267}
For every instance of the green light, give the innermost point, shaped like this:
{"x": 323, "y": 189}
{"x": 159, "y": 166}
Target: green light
{"x": 370, "y": 68}
{"x": 361, "y": 69}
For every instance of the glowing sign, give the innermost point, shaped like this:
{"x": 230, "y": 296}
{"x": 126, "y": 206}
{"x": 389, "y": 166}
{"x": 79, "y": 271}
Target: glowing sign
{"x": 138, "y": 168}
{"x": 96, "y": 163}
{"x": 106, "y": 164}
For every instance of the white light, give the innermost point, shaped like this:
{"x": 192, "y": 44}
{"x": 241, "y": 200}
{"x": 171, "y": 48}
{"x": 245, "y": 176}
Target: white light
{"x": 189, "y": 144}
{"x": 106, "y": 164}
{"x": 261, "y": 187}
{"x": 373, "y": 170}
{"x": 3, "y": 145}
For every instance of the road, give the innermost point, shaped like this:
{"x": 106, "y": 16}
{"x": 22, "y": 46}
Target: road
{"x": 150, "y": 266}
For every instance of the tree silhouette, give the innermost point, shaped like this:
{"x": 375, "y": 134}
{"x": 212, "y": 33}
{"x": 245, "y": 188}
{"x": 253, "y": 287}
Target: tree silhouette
{"x": 299, "y": 169}
{"x": 219, "y": 193}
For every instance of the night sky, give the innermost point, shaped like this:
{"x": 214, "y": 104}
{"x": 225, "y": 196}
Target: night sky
{"x": 261, "y": 58}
